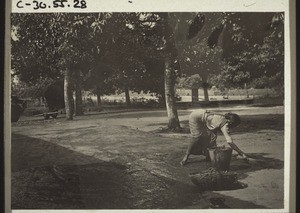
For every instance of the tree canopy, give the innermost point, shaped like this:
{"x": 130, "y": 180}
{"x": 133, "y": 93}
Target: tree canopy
{"x": 117, "y": 52}
{"x": 253, "y": 48}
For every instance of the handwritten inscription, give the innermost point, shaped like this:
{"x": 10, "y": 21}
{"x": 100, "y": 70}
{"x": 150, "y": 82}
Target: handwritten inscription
{"x": 40, "y": 5}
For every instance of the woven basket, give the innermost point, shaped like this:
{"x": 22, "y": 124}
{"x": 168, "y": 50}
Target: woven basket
{"x": 212, "y": 179}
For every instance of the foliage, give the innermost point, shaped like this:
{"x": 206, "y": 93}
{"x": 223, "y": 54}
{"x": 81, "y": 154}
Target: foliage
{"x": 201, "y": 59}
{"x": 230, "y": 77}
{"x": 43, "y": 45}
{"x": 201, "y": 56}
{"x": 118, "y": 50}
{"x": 189, "y": 82}
{"x": 37, "y": 90}
{"x": 138, "y": 58}
{"x": 253, "y": 50}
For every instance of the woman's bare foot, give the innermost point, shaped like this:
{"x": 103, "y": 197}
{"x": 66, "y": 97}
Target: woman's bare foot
{"x": 184, "y": 160}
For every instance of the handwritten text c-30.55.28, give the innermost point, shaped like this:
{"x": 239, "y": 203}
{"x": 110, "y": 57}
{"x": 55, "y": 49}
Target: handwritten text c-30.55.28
{"x": 40, "y": 5}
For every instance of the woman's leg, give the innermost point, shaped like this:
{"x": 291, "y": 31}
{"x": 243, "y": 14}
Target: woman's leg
{"x": 196, "y": 129}
{"x": 194, "y": 147}
{"x": 211, "y": 142}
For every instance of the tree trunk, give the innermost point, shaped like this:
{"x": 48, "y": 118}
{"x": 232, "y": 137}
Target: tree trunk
{"x": 205, "y": 87}
{"x": 170, "y": 95}
{"x": 68, "y": 96}
{"x": 78, "y": 95}
{"x": 195, "y": 95}
{"x": 170, "y": 76}
{"x": 247, "y": 93}
{"x": 206, "y": 98}
{"x": 73, "y": 102}
{"x": 127, "y": 97}
{"x": 99, "y": 103}
{"x": 78, "y": 102}
{"x": 41, "y": 100}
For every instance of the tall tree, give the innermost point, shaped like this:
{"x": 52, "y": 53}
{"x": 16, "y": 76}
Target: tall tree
{"x": 253, "y": 48}
{"x": 171, "y": 55}
{"x": 54, "y": 42}
{"x": 202, "y": 54}
{"x": 99, "y": 81}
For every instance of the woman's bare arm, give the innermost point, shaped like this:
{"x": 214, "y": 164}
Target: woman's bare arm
{"x": 225, "y": 131}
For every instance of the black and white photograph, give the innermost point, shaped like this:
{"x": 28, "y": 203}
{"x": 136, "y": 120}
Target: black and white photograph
{"x": 140, "y": 110}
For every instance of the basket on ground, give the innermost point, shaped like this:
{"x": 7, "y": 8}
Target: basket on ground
{"x": 212, "y": 179}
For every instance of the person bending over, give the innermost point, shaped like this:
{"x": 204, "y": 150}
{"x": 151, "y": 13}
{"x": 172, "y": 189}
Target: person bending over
{"x": 204, "y": 126}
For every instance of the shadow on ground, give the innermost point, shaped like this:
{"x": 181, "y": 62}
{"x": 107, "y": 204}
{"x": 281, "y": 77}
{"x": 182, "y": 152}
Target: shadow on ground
{"x": 250, "y": 123}
{"x": 219, "y": 201}
{"x": 48, "y": 176}
{"x": 139, "y": 114}
{"x": 253, "y": 123}
{"x": 257, "y": 161}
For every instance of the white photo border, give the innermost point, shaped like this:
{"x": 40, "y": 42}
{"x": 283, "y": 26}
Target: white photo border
{"x": 285, "y": 6}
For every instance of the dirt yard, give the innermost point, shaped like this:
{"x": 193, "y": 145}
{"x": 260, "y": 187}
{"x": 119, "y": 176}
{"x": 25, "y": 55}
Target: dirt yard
{"x": 126, "y": 160}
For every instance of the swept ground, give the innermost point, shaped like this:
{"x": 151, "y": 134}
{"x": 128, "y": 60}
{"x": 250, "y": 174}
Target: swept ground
{"x": 126, "y": 160}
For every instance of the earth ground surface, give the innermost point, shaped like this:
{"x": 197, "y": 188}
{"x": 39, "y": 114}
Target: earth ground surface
{"x": 126, "y": 160}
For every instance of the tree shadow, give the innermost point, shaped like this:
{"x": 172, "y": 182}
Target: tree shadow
{"x": 48, "y": 176}
{"x": 257, "y": 161}
{"x": 37, "y": 120}
{"x": 249, "y": 123}
{"x": 254, "y": 123}
{"x": 219, "y": 201}
{"x": 141, "y": 113}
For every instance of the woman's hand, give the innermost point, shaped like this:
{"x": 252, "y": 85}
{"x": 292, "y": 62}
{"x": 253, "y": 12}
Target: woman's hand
{"x": 245, "y": 158}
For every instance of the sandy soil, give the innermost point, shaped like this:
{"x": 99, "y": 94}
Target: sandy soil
{"x": 126, "y": 160}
